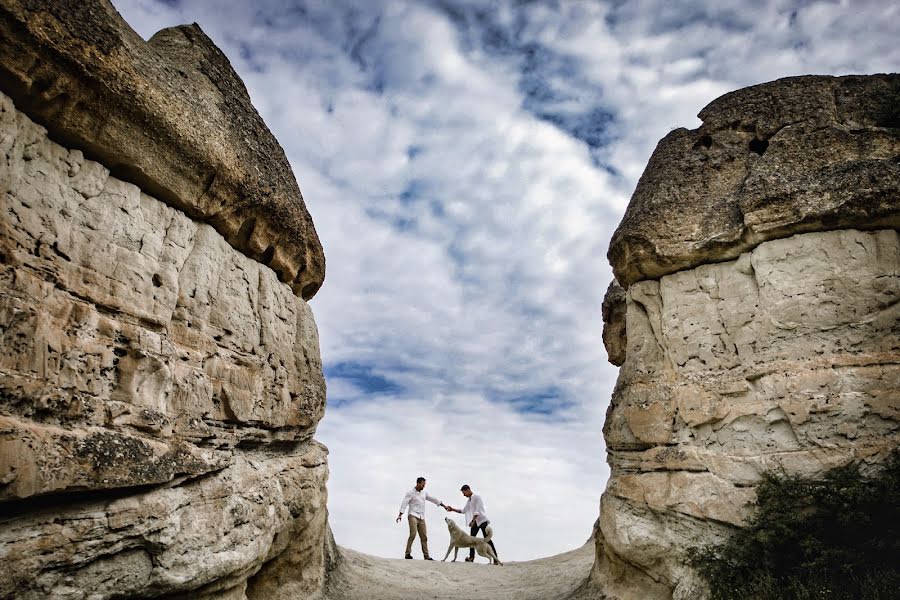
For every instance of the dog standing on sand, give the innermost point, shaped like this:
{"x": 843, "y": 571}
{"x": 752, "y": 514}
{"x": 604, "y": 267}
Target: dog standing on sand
{"x": 475, "y": 517}
{"x": 461, "y": 539}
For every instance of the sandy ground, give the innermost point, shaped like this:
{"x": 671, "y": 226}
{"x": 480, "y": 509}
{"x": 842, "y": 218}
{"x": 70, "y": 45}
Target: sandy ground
{"x": 364, "y": 577}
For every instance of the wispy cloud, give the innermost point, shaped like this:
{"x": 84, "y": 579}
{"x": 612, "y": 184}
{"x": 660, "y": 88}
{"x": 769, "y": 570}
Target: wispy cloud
{"x": 465, "y": 164}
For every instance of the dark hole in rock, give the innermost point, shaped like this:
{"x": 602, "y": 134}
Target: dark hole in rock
{"x": 267, "y": 255}
{"x": 299, "y": 273}
{"x": 309, "y": 290}
{"x": 758, "y": 146}
{"x": 704, "y": 141}
{"x": 246, "y": 230}
{"x": 157, "y": 280}
{"x": 120, "y": 352}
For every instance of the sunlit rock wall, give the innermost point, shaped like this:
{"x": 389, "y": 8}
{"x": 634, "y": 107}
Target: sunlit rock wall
{"x": 786, "y": 356}
{"x": 160, "y": 385}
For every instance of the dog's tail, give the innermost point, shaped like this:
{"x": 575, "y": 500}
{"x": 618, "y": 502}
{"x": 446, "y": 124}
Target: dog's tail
{"x": 488, "y": 533}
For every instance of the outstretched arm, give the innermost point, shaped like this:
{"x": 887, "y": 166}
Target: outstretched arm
{"x": 434, "y": 500}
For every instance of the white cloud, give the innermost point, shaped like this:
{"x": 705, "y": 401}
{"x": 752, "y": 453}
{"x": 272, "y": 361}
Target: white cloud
{"x": 525, "y": 477}
{"x": 446, "y": 161}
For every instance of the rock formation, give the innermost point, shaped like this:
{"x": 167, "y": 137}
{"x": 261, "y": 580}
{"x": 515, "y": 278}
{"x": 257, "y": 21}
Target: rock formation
{"x": 760, "y": 260}
{"x": 169, "y": 115}
{"x": 160, "y": 376}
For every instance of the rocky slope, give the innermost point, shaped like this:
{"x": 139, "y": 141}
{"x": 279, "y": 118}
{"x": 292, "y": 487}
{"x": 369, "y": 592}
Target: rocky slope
{"x": 160, "y": 376}
{"x": 758, "y": 322}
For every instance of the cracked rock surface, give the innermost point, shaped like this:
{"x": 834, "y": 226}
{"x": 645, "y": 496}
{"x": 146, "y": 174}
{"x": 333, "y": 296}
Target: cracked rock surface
{"x": 159, "y": 392}
{"x": 758, "y": 322}
{"x": 169, "y": 115}
{"x": 787, "y": 358}
{"x": 811, "y": 153}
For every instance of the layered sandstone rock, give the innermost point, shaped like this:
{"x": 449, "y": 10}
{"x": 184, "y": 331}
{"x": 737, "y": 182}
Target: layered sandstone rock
{"x": 169, "y": 115}
{"x": 801, "y": 154}
{"x": 159, "y": 385}
{"x": 786, "y": 357}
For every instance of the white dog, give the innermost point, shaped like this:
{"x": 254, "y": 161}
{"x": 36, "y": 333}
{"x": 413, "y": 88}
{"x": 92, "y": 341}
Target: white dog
{"x": 461, "y": 539}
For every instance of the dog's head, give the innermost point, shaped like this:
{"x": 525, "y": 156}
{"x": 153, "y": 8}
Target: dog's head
{"x": 451, "y": 524}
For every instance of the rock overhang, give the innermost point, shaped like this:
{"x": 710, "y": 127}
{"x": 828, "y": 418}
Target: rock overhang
{"x": 169, "y": 115}
{"x": 800, "y": 154}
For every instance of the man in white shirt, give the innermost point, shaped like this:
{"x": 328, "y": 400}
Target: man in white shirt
{"x": 415, "y": 500}
{"x": 475, "y": 517}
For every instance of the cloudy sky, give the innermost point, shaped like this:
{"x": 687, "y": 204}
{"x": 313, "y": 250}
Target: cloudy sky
{"x": 465, "y": 163}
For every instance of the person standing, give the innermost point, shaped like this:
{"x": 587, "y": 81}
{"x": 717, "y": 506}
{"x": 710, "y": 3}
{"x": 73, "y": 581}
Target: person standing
{"x": 415, "y": 500}
{"x": 475, "y": 517}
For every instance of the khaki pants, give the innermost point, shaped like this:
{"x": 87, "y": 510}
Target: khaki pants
{"x": 417, "y": 525}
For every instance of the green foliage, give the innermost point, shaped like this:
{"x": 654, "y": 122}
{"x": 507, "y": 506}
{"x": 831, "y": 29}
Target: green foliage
{"x": 833, "y": 538}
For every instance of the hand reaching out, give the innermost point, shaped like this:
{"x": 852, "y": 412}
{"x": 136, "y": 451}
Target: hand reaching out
{"x": 449, "y": 508}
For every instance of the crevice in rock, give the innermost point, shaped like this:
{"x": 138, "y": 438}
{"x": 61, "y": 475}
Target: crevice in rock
{"x": 246, "y": 230}
{"x": 704, "y": 141}
{"x": 75, "y": 499}
{"x": 58, "y": 252}
{"x": 758, "y": 146}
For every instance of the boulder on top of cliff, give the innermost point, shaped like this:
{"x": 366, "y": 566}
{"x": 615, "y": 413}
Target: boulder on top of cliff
{"x": 614, "y": 335}
{"x": 799, "y": 154}
{"x": 170, "y": 115}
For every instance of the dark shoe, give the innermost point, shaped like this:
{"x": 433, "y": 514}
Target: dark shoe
{"x": 427, "y": 558}
{"x": 409, "y": 556}
{"x": 470, "y": 559}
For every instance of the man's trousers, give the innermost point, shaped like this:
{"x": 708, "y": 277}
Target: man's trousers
{"x": 474, "y": 531}
{"x": 417, "y": 525}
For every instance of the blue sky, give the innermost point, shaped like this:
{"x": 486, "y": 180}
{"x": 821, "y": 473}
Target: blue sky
{"x": 465, "y": 163}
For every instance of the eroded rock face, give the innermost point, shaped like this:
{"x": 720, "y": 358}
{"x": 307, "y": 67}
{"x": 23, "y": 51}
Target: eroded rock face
{"x": 159, "y": 392}
{"x": 206, "y": 535}
{"x": 614, "y": 334}
{"x": 786, "y": 357}
{"x": 799, "y": 154}
{"x": 169, "y": 115}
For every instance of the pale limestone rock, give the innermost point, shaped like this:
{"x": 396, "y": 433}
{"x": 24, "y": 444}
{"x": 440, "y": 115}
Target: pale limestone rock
{"x": 203, "y": 534}
{"x": 170, "y": 115}
{"x": 786, "y": 358}
{"x": 158, "y": 394}
{"x": 800, "y": 154}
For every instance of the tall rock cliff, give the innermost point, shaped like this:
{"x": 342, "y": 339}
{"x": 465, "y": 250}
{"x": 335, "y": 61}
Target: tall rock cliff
{"x": 160, "y": 376}
{"x": 758, "y": 319}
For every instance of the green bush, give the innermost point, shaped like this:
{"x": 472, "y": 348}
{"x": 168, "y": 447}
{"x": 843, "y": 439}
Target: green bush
{"x": 832, "y": 538}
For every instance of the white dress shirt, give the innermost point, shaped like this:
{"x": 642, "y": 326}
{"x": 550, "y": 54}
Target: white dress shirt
{"x": 474, "y": 508}
{"x": 416, "y": 502}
